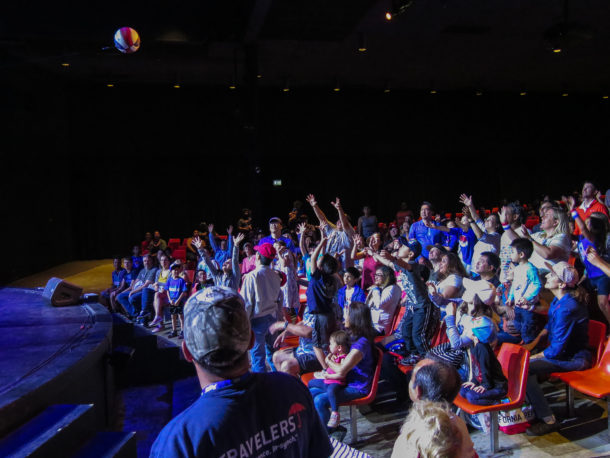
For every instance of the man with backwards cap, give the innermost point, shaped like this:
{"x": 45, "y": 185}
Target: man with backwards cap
{"x": 275, "y": 229}
{"x": 239, "y": 413}
{"x": 262, "y": 294}
{"x": 567, "y": 332}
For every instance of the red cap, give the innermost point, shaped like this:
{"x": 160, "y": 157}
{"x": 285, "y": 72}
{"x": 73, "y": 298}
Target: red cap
{"x": 266, "y": 250}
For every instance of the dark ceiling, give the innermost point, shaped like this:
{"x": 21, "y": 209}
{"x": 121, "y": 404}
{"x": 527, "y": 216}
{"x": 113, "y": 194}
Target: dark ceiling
{"x": 475, "y": 45}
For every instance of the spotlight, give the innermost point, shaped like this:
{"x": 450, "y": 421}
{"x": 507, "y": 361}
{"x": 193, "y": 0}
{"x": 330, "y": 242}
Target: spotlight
{"x": 232, "y": 86}
{"x": 478, "y": 93}
{"x": 176, "y": 86}
{"x": 605, "y": 97}
{"x": 398, "y": 7}
{"x": 386, "y": 88}
{"x": 565, "y": 94}
{"x": 556, "y": 50}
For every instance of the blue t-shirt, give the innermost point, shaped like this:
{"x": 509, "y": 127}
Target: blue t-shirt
{"x": 117, "y": 277}
{"x": 568, "y": 328}
{"x": 175, "y": 286}
{"x": 583, "y": 245}
{"x": 467, "y": 240}
{"x": 320, "y": 293}
{"x": 425, "y": 235}
{"x": 137, "y": 264}
{"x": 269, "y": 415}
{"x": 130, "y": 276}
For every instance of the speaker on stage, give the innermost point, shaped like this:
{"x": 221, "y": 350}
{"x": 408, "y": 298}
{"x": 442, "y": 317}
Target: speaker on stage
{"x": 62, "y": 293}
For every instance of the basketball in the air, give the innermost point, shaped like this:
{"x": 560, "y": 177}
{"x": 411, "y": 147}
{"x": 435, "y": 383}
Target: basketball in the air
{"x": 127, "y": 40}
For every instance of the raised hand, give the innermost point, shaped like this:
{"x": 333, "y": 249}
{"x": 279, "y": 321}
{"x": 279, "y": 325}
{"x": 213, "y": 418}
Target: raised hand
{"x": 323, "y": 225}
{"x": 210, "y": 228}
{"x": 312, "y": 200}
{"x": 466, "y": 200}
{"x": 230, "y": 230}
{"x": 301, "y": 228}
{"x": 502, "y": 215}
{"x": 237, "y": 240}
{"x": 336, "y": 203}
{"x": 197, "y": 242}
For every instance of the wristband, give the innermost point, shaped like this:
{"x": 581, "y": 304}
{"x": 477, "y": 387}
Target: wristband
{"x": 574, "y": 214}
{"x": 285, "y": 325}
{"x": 506, "y": 227}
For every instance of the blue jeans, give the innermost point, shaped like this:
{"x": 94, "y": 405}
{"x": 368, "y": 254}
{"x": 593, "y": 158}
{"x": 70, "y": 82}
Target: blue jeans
{"x": 322, "y": 403}
{"x": 134, "y": 304}
{"x": 260, "y": 327}
{"x": 331, "y": 391}
{"x": 526, "y": 322}
{"x": 580, "y": 361}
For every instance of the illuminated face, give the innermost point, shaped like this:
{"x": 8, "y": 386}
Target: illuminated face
{"x": 349, "y": 279}
{"x": 482, "y": 265}
{"x": 201, "y": 276}
{"x": 375, "y": 240}
{"x": 588, "y": 191}
{"x": 413, "y": 394}
{"x": 147, "y": 262}
{"x": 491, "y": 223}
{"x": 552, "y": 281}
{"x": 379, "y": 277}
{"x": 275, "y": 227}
{"x": 548, "y": 220}
{"x": 127, "y": 263}
{"x": 514, "y": 255}
{"x": 164, "y": 261}
{"x": 435, "y": 255}
{"x": 425, "y": 212}
{"x": 444, "y": 267}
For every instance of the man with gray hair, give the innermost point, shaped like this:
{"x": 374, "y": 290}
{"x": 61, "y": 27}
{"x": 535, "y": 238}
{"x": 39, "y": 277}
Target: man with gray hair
{"x": 239, "y": 413}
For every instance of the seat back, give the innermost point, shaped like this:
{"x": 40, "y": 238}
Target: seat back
{"x": 604, "y": 359}
{"x": 190, "y": 275}
{"x": 515, "y": 360}
{"x": 373, "y": 391}
{"x": 398, "y": 314}
{"x": 597, "y": 335}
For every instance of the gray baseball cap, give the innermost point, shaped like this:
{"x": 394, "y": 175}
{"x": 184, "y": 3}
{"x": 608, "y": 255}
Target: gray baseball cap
{"x": 216, "y": 327}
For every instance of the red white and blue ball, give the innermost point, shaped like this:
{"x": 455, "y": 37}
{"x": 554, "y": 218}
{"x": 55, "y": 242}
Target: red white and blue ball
{"x": 127, "y": 40}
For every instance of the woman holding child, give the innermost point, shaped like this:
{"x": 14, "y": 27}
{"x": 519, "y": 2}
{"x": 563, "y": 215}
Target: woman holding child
{"x": 357, "y": 367}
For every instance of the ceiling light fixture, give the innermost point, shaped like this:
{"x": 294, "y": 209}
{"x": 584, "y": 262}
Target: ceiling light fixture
{"x": 286, "y": 85}
{"x": 361, "y": 42}
{"x": 523, "y": 93}
{"x": 433, "y": 92}
{"x": 65, "y": 64}
{"x": 398, "y": 7}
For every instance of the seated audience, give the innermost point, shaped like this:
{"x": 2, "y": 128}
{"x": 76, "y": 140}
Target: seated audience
{"x": 567, "y": 335}
{"x": 117, "y": 278}
{"x": 383, "y": 300}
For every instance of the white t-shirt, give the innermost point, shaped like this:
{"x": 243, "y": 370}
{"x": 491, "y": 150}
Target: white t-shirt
{"x": 451, "y": 280}
{"x": 560, "y": 240}
{"x": 487, "y": 242}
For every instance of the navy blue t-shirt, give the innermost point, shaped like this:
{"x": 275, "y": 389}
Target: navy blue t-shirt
{"x": 321, "y": 294}
{"x": 268, "y": 415}
{"x": 175, "y": 286}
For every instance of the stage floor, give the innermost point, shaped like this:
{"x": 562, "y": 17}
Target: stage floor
{"x": 43, "y": 348}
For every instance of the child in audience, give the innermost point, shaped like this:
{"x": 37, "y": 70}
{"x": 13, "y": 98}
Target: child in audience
{"x": 136, "y": 259}
{"x": 176, "y": 291}
{"x": 200, "y": 282}
{"x": 487, "y": 384}
{"x": 117, "y": 277}
{"x": 524, "y": 291}
{"x": 338, "y": 350}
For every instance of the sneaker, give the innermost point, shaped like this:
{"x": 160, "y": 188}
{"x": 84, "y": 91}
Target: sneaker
{"x": 156, "y": 321}
{"x": 411, "y": 360}
{"x": 542, "y": 428}
{"x": 485, "y": 421}
{"x": 334, "y": 420}
{"x": 158, "y": 328}
{"x": 174, "y": 333}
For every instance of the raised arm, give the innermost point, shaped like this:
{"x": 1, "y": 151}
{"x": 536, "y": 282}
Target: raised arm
{"x": 208, "y": 261}
{"x": 347, "y": 227}
{"x": 577, "y": 219}
{"x": 317, "y": 251}
{"x": 213, "y": 243}
{"x": 317, "y": 210}
{"x": 235, "y": 256}
{"x": 597, "y": 261}
{"x": 467, "y": 201}
{"x": 301, "y": 228}
{"x": 358, "y": 244}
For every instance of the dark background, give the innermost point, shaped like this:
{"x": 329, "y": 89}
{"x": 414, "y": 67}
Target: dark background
{"x": 88, "y": 169}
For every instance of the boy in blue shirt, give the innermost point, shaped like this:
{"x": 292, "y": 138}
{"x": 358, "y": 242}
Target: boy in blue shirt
{"x": 176, "y": 290}
{"x": 524, "y": 290}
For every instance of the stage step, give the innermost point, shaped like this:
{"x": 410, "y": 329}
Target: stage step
{"x": 56, "y": 431}
{"x": 155, "y": 357}
{"x": 109, "y": 444}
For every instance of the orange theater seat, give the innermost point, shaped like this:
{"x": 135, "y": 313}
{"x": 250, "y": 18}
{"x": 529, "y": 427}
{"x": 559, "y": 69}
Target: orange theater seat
{"x": 592, "y": 382}
{"x": 514, "y": 360}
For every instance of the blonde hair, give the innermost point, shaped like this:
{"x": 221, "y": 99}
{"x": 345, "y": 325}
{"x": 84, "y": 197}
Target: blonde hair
{"x": 428, "y": 432}
{"x": 563, "y": 222}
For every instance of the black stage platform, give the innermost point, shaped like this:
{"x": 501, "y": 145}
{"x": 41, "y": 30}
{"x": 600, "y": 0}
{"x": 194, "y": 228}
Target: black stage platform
{"x": 51, "y": 356}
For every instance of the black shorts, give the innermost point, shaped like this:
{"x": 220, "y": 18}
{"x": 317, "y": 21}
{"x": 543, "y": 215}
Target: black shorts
{"x": 323, "y": 326}
{"x": 176, "y": 309}
{"x": 308, "y": 362}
